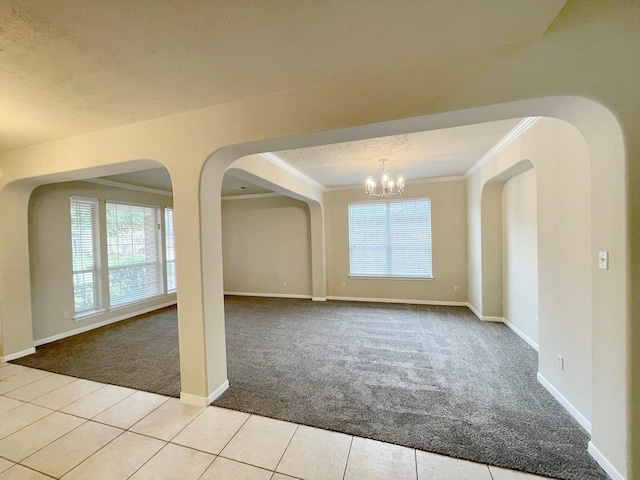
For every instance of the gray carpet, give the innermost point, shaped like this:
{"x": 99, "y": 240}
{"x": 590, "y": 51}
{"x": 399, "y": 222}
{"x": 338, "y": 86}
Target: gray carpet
{"x": 140, "y": 353}
{"x": 433, "y": 378}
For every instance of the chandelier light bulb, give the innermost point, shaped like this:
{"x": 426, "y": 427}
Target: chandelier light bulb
{"x": 388, "y": 187}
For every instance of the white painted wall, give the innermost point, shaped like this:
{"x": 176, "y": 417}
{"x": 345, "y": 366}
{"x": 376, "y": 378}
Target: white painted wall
{"x": 520, "y": 254}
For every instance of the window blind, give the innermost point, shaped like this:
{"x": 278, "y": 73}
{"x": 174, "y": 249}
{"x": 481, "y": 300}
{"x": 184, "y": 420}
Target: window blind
{"x": 170, "y": 250}
{"x": 134, "y": 253}
{"x": 85, "y": 254}
{"x": 390, "y": 238}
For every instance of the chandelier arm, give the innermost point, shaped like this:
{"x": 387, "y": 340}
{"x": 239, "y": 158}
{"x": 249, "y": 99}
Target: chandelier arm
{"x": 387, "y": 185}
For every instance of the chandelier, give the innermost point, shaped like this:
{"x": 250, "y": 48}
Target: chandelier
{"x": 387, "y": 186}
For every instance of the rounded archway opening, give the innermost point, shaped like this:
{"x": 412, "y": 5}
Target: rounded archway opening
{"x": 102, "y": 260}
{"x": 571, "y": 110}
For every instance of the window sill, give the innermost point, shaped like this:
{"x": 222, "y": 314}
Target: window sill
{"x": 89, "y": 314}
{"x": 369, "y": 277}
{"x": 134, "y": 303}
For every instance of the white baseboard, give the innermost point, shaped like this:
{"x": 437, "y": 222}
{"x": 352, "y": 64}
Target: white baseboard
{"x": 586, "y": 424}
{"x": 86, "y": 328}
{"x": 275, "y": 295}
{"x": 397, "y": 300}
{"x": 218, "y": 391}
{"x": 473, "y": 309}
{"x": 521, "y": 334}
{"x": 517, "y": 331}
{"x": 604, "y": 463}
{"x": 484, "y": 318}
{"x": 196, "y": 400}
{"x": 199, "y": 401}
{"x": 319, "y": 299}
{"x": 14, "y": 356}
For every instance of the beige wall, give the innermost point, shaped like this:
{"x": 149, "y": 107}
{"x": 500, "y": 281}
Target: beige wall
{"x": 491, "y": 247}
{"x": 520, "y": 254}
{"x": 584, "y": 69}
{"x": 561, "y": 161}
{"x": 448, "y": 226}
{"x": 50, "y": 256}
{"x": 265, "y": 242}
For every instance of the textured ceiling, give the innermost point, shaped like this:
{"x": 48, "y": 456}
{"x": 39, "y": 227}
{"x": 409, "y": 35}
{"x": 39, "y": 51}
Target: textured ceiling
{"x": 422, "y": 155}
{"x": 159, "y": 179}
{"x": 437, "y": 153}
{"x": 72, "y": 66}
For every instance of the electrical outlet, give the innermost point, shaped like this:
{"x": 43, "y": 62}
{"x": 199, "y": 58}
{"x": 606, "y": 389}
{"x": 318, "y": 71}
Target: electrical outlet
{"x": 560, "y": 362}
{"x": 344, "y": 284}
{"x": 66, "y": 315}
{"x": 456, "y": 288}
{"x": 285, "y": 283}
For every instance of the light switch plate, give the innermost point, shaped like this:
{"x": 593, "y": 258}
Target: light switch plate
{"x": 603, "y": 260}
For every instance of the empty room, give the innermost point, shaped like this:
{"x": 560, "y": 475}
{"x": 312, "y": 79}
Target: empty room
{"x": 402, "y": 258}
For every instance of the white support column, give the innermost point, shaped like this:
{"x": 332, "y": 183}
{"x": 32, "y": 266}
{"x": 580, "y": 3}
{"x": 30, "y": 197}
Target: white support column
{"x": 203, "y": 363}
{"x": 16, "y": 328}
{"x": 318, "y": 262}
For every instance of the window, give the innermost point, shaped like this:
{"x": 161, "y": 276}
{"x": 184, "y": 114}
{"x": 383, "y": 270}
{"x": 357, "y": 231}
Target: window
{"x": 170, "y": 250}
{"x": 85, "y": 255}
{"x": 134, "y": 253}
{"x": 390, "y": 238}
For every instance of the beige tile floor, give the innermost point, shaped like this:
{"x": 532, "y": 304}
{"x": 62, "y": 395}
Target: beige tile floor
{"x": 54, "y": 426}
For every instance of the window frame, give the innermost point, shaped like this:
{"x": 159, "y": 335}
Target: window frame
{"x": 169, "y": 252}
{"x": 95, "y": 245}
{"x": 158, "y": 261}
{"x": 427, "y": 273}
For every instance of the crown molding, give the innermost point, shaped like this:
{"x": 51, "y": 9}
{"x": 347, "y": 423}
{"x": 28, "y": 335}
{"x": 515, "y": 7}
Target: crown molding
{"x": 276, "y": 160}
{"x": 518, "y": 130}
{"x": 408, "y": 182}
{"x": 452, "y": 178}
{"x": 128, "y": 186}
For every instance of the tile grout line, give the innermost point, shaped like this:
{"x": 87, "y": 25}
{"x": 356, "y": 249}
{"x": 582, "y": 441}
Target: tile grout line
{"x": 148, "y": 460}
{"x": 28, "y": 425}
{"x": 101, "y": 411}
{"x": 186, "y": 425}
{"x": 50, "y": 391}
{"x": 13, "y": 375}
{"x": 240, "y": 461}
{"x": 31, "y": 469}
{"x": 66, "y": 405}
{"x": 60, "y": 388}
{"x": 99, "y": 450}
{"x": 45, "y": 446}
{"x": 136, "y": 422}
{"x": 346, "y": 464}
{"x": 490, "y": 472}
{"x": 13, "y": 408}
{"x": 4, "y": 394}
{"x": 166, "y": 442}
{"x": 232, "y": 436}
{"x": 287, "y": 447}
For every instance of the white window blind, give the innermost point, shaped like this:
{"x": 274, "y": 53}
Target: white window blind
{"x": 134, "y": 253}
{"x": 170, "y": 250}
{"x": 390, "y": 238}
{"x": 85, "y": 254}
